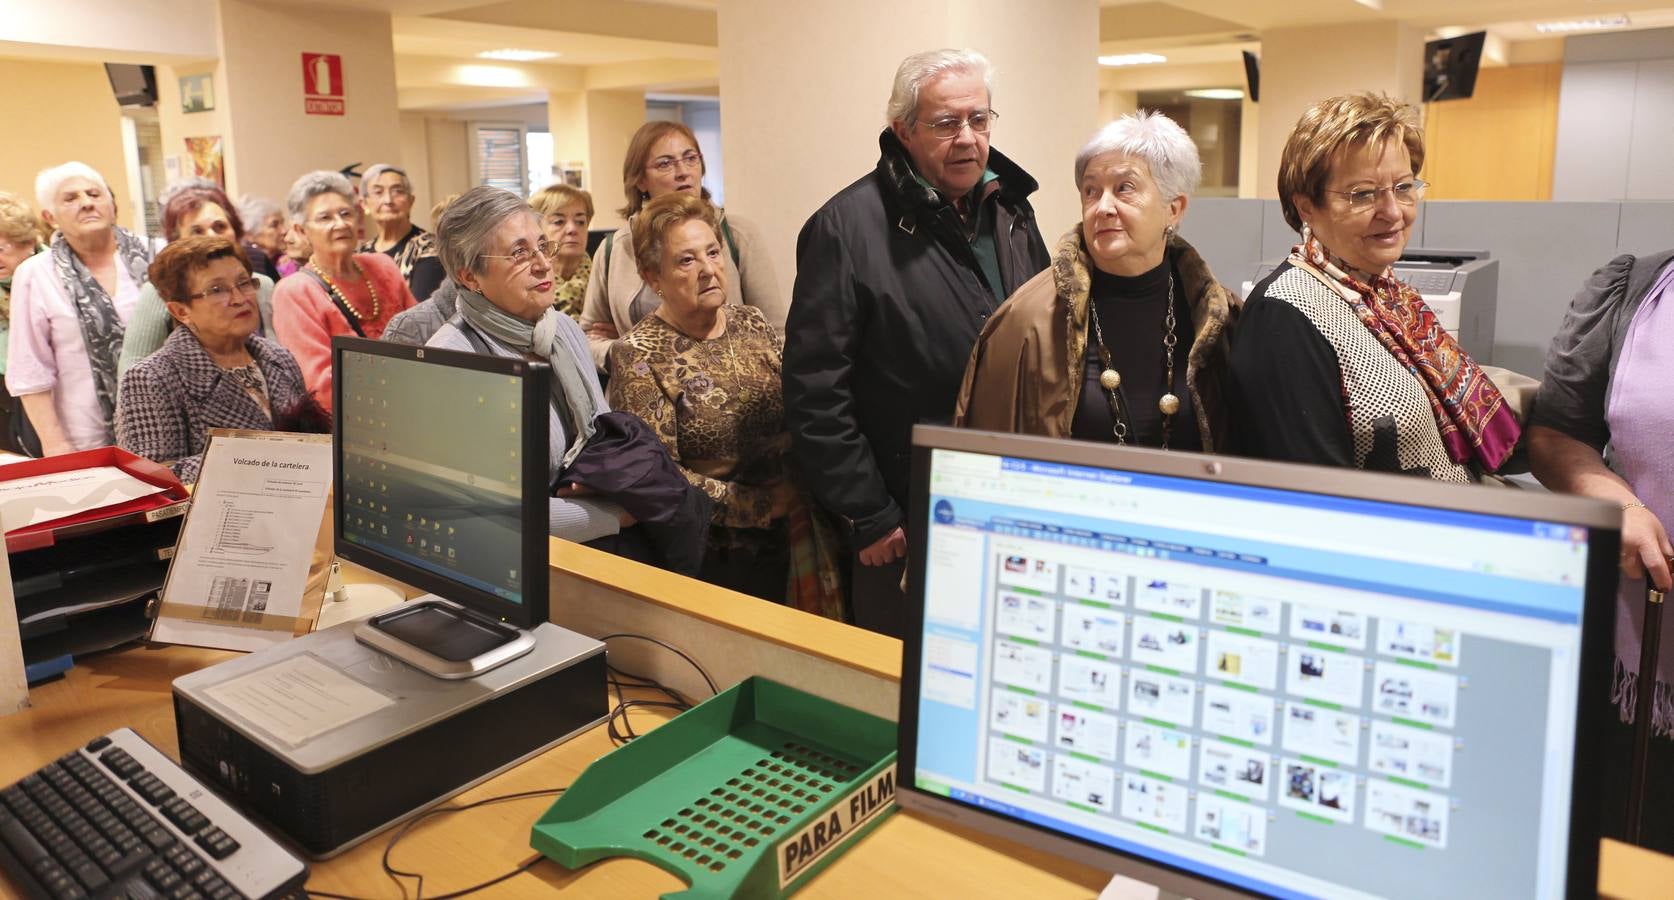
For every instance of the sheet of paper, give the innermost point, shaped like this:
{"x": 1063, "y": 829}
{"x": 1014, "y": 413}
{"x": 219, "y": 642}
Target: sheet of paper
{"x": 241, "y": 566}
{"x": 298, "y": 699}
{"x": 42, "y": 498}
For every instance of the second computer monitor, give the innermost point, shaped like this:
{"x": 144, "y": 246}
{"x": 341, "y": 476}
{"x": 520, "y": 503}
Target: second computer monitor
{"x": 441, "y": 473}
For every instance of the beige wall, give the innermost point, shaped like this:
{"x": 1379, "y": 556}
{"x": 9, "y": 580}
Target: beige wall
{"x": 1300, "y": 66}
{"x": 594, "y": 128}
{"x": 1459, "y": 135}
{"x": 176, "y": 126}
{"x": 785, "y": 155}
{"x": 56, "y": 112}
{"x": 275, "y": 140}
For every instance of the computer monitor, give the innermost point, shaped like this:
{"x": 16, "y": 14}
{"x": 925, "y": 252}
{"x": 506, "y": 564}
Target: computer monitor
{"x": 440, "y": 480}
{"x": 1228, "y": 677}
{"x": 1450, "y": 66}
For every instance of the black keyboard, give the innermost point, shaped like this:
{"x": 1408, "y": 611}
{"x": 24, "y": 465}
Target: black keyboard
{"x": 118, "y": 819}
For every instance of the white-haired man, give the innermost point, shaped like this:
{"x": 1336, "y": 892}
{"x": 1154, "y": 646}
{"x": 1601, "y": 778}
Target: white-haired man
{"x": 70, "y": 309}
{"x": 896, "y": 275}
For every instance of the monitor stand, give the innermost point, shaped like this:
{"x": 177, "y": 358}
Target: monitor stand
{"x": 443, "y": 639}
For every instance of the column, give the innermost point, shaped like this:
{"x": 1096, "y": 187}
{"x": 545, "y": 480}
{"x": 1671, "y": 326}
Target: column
{"x": 593, "y": 128}
{"x": 804, "y": 87}
{"x": 1302, "y": 65}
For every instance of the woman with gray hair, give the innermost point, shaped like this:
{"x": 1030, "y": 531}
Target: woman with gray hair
{"x": 1124, "y": 339}
{"x": 339, "y": 291}
{"x": 387, "y": 197}
{"x": 490, "y": 242}
{"x": 70, "y": 307}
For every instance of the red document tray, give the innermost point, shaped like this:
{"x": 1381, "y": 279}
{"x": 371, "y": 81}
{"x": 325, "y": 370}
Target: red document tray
{"x": 170, "y": 502}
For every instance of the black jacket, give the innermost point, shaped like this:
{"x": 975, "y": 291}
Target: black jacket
{"x": 888, "y": 303}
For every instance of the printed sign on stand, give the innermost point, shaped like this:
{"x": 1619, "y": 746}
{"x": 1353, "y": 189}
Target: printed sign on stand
{"x": 322, "y": 84}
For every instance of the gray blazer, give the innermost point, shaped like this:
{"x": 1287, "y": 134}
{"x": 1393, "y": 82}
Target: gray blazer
{"x": 415, "y": 326}
{"x": 169, "y": 400}
{"x": 1581, "y": 361}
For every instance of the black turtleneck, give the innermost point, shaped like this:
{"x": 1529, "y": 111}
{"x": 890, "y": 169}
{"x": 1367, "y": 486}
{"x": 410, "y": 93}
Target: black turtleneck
{"x": 1131, "y": 310}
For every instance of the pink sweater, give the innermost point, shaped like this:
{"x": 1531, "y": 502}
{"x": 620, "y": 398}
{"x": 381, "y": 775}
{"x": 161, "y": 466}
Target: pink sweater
{"x": 305, "y": 320}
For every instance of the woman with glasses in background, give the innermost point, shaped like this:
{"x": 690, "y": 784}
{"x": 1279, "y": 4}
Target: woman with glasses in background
{"x": 387, "y": 198}
{"x": 1336, "y": 362}
{"x": 663, "y": 158}
{"x": 339, "y": 291}
{"x": 215, "y": 370}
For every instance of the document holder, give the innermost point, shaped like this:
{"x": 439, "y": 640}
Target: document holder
{"x": 82, "y": 580}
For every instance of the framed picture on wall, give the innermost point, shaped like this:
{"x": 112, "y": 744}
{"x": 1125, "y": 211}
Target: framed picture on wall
{"x": 573, "y": 173}
{"x": 197, "y": 93}
{"x": 206, "y": 157}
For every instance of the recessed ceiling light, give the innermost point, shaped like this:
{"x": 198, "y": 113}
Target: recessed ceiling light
{"x": 1132, "y": 59}
{"x": 1601, "y": 23}
{"x": 512, "y": 54}
{"x": 1216, "y": 94}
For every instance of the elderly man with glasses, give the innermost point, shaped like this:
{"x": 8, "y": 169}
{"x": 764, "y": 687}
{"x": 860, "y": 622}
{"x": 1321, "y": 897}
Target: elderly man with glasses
{"x": 896, "y": 275}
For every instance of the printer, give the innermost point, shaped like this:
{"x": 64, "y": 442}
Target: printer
{"x": 1460, "y": 286}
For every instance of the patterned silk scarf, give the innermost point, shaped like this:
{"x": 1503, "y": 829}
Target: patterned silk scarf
{"x": 1473, "y": 417}
{"x": 101, "y": 327}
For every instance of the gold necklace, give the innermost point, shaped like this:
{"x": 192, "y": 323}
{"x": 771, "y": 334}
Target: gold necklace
{"x": 1111, "y": 380}
{"x": 377, "y": 305}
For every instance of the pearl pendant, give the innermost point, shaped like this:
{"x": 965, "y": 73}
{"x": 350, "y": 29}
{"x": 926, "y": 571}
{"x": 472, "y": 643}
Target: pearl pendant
{"x": 1169, "y": 404}
{"x": 1110, "y": 380}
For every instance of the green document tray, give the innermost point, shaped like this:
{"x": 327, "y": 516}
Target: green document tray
{"x": 748, "y": 794}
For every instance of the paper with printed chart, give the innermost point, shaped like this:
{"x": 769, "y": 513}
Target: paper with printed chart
{"x": 239, "y": 572}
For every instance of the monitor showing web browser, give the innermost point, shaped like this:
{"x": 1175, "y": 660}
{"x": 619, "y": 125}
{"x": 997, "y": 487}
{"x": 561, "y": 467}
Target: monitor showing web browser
{"x": 1255, "y": 678}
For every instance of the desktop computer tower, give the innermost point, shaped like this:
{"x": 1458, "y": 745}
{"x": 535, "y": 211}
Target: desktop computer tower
{"x": 417, "y": 741}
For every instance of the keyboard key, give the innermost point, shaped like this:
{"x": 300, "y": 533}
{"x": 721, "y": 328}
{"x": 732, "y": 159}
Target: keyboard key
{"x": 217, "y": 843}
{"x": 152, "y": 789}
{"x": 97, "y": 744}
{"x": 185, "y": 815}
{"x": 119, "y": 761}
{"x": 90, "y": 875}
{"x": 158, "y": 837}
{"x": 21, "y": 842}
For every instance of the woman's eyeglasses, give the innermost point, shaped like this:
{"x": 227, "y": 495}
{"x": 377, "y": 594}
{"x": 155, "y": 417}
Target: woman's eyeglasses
{"x": 524, "y": 256}
{"x": 220, "y": 293}
{"x": 663, "y": 165}
{"x": 1405, "y": 193}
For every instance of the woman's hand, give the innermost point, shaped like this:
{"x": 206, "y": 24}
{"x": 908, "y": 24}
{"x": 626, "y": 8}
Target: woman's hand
{"x": 785, "y": 498}
{"x": 1645, "y": 548}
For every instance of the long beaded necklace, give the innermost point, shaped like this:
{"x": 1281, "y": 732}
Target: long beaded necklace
{"x": 377, "y": 305}
{"x": 1111, "y": 380}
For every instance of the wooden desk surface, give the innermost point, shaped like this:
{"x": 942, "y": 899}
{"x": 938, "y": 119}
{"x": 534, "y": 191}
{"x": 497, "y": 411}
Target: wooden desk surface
{"x": 906, "y": 856}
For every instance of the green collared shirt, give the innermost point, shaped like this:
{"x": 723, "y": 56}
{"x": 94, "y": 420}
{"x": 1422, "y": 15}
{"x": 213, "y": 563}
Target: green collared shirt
{"x": 982, "y": 239}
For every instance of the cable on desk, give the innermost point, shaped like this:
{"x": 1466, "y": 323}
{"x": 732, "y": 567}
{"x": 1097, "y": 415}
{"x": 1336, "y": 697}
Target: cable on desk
{"x": 616, "y": 679}
{"x": 672, "y": 649}
{"x": 396, "y": 874}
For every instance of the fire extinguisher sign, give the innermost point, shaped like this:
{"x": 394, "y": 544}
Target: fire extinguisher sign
{"x": 322, "y": 84}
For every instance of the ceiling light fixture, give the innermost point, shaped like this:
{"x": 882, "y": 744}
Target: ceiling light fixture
{"x": 1602, "y": 23}
{"x": 512, "y": 54}
{"x": 1132, "y": 59}
{"x": 1216, "y": 94}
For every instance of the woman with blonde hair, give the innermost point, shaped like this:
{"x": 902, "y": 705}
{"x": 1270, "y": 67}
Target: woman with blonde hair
{"x": 20, "y": 238}
{"x": 565, "y": 212}
{"x": 663, "y": 158}
{"x": 1336, "y": 362}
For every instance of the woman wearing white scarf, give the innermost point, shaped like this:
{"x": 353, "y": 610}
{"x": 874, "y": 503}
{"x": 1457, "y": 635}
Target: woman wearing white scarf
{"x": 69, "y": 309}
{"x": 491, "y": 245}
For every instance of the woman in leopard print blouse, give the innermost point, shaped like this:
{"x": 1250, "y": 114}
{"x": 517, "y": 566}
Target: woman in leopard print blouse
{"x": 705, "y": 375}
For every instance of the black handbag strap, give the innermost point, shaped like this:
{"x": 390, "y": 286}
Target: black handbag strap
{"x": 337, "y": 301}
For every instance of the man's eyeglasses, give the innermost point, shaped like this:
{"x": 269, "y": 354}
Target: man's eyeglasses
{"x": 948, "y": 127}
{"x": 663, "y": 165}
{"x": 524, "y": 256}
{"x": 220, "y": 293}
{"x": 1405, "y": 193}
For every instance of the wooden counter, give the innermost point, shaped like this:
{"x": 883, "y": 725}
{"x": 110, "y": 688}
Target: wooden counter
{"x": 732, "y": 636}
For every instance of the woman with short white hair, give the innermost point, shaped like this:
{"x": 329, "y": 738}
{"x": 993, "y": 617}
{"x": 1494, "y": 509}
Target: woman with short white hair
{"x": 1124, "y": 338}
{"x": 70, "y": 308}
